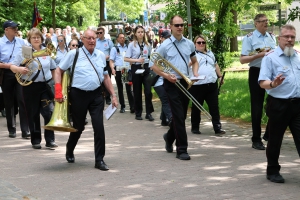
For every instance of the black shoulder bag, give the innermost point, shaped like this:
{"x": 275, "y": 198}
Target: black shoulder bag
{"x": 49, "y": 89}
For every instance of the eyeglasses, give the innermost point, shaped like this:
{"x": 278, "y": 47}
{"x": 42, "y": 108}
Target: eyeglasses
{"x": 35, "y": 38}
{"x": 288, "y": 37}
{"x": 90, "y": 38}
{"x": 201, "y": 42}
{"x": 99, "y": 33}
{"x": 264, "y": 21}
{"x": 59, "y": 40}
{"x": 177, "y": 25}
{"x": 74, "y": 45}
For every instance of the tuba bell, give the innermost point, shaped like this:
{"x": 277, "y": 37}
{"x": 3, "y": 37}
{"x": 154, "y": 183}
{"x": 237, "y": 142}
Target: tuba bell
{"x": 60, "y": 119}
{"x": 34, "y": 64}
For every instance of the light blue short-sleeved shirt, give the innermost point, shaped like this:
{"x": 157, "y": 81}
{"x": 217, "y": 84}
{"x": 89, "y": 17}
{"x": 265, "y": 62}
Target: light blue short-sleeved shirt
{"x": 118, "y": 57}
{"x": 168, "y": 51}
{"x": 85, "y": 77}
{"x": 134, "y": 51}
{"x": 9, "y": 50}
{"x": 207, "y": 63}
{"x": 104, "y": 45}
{"x": 59, "y": 55}
{"x": 255, "y": 40}
{"x": 46, "y": 62}
{"x": 276, "y": 63}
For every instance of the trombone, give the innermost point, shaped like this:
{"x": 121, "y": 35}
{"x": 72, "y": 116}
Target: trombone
{"x": 166, "y": 67}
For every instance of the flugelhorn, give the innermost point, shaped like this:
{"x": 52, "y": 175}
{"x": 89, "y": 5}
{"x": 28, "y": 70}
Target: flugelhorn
{"x": 166, "y": 67}
{"x": 60, "y": 119}
{"x": 34, "y": 65}
{"x": 259, "y": 50}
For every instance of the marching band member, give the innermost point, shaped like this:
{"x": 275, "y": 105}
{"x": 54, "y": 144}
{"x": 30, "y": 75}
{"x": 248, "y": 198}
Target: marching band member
{"x": 259, "y": 39}
{"x": 37, "y": 96}
{"x": 138, "y": 52}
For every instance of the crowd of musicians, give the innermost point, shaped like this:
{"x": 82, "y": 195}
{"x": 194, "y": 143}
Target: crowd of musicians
{"x": 91, "y": 57}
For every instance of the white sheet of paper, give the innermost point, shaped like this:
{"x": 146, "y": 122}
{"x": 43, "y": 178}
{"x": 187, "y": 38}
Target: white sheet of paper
{"x": 201, "y": 77}
{"x": 109, "y": 111}
{"x": 27, "y": 52}
{"x": 139, "y": 71}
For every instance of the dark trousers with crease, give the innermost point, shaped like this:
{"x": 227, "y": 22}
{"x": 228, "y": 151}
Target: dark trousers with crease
{"x": 208, "y": 93}
{"x": 120, "y": 91}
{"x": 12, "y": 93}
{"x": 257, "y": 95}
{"x": 166, "y": 114}
{"x": 282, "y": 113}
{"x": 107, "y": 95}
{"x": 138, "y": 80}
{"x": 81, "y": 102}
{"x": 178, "y": 103}
{"x": 38, "y": 101}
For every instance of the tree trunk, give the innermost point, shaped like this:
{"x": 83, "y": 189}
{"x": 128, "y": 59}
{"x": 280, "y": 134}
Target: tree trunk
{"x": 234, "y": 41}
{"x": 102, "y": 3}
{"x": 53, "y": 14}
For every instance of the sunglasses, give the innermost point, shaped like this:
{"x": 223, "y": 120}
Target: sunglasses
{"x": 99, "y": 33}
{"x": 74, "y": 45}
{"x": 177, "y": 25}
{"x": 201, "y": 42}
{"x": 59, "y": 40}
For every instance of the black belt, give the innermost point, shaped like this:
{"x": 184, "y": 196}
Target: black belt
{"x": 295, "y": 99}
{"x": 87, "y": 90}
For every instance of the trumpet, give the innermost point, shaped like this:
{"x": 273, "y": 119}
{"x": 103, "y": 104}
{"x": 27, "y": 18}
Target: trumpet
{"x": 34, "y": 65}
{"x": 166, "y": 67}
{"x": 259, "y": 50}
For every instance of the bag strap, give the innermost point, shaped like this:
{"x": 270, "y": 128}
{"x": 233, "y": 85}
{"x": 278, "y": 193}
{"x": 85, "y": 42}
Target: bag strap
{"x": 187, "y": 67}
{"x": 93, "y": 67}
{"x": 73, "y": 66}
{"x": 37, "y": 74}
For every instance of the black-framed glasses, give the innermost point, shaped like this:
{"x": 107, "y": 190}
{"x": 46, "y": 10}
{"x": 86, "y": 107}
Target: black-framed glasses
{"x": 201, "y": 42}
{"x": 74, "y": 45}
{"x": 177, "y": 25}
{"x": 99, "y": 33}
{"x": 263, "y": 21}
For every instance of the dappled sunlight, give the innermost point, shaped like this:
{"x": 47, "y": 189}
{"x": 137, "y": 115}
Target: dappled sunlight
{"x": 129, "y": 197}
{"x": 190, "y": 185}
{"x": 253, "y": 166}
{"x": 135, "y": 186}
{"x": 218, "y": 146}
{"x": 221, "y": 178}
{"x": 216, "y": 167}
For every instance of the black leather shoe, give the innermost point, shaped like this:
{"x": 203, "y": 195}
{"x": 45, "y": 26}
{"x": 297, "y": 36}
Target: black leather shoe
{"x": 276, "y": 178}
{"x": 164, "y": 123}
{"x": 51, "y": 144}
{"x": 36, "y": 146}
{"x": 149, "y": 117}
{"x": 70, "y": 156}
{"x": 258, "y": 145}
{"x": 170, "y": 122}
{"x": 132, "y": 110}
{"x": 25, "y": 135}
{"x": 101, "y": 165}
{"x": 3, "y": 113}
{"x": 122, "y": 110}
{"x": 220, "y": 132}
{"x": 168, "y": 146}
{"x": 265, "y": 138}
{"x": 195, "y": 131}
{"x": 12, "y": 134}
{"x": 183, "y": 156}
{"x": 138, "y": 118}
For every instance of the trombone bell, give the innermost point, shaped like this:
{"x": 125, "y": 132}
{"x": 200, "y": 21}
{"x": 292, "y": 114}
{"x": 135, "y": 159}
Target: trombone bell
{"x": 60, "y": 119}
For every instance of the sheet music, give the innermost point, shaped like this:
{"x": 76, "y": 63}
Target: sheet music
{"x": 139, "y": 71}
{"x": 27, "y": 52}
{"x": 201, "y": 77}
{"x": 109, "y": 111}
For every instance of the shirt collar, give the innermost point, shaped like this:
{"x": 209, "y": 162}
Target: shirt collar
{"x": 174, "y": 39}
{"x": 258, "y": 34}
{"x": 7, "y": 40}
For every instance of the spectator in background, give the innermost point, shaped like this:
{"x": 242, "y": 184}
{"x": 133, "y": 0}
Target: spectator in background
{"x": 44, "y": 32}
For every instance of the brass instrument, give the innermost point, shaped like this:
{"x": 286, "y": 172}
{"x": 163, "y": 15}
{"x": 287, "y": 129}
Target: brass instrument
{"x": 60, "y": 119}
{"x": 259, "y": 50}
{"x": 34, "y": 65}
{"x": 166, "y": 67}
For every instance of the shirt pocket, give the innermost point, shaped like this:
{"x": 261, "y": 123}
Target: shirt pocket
{"x": 285, "y": 71}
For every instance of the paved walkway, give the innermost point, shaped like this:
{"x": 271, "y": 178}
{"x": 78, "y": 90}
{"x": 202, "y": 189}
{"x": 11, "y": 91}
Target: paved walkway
{"x": 140, "y": 168}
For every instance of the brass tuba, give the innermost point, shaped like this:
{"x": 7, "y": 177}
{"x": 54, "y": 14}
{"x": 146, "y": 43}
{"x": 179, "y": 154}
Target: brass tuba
{"x": 34, "y": 65}
{"x": 60, "y": 119}
{"x": 166, "y": 67}
{"x": 259, "y": 50}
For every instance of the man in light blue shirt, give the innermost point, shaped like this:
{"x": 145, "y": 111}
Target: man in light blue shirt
{"x": 279, "y": 75}
{"x": 86, "y": 94}
{"x": 10, "y": 47}
{"x": 117, "y": 65}
{"x": 104, "y": 45}
{"x": 254, "y": 47}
